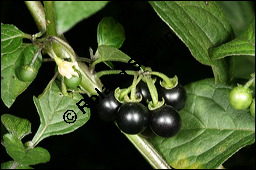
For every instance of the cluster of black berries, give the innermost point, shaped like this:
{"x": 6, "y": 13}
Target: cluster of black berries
{"x": 136, "y": 118}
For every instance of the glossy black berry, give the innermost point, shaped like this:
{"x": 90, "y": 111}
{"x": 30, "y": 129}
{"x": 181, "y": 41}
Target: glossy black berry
{"x": 175, "y": 97}
{"x": 132, "y": 118}
{"x": 165, "y": 121}
{"x": 142, "y": 89}
{"x": 107, "y": 107}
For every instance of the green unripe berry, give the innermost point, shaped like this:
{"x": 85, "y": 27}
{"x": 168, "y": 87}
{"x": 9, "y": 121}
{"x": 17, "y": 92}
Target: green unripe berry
{"x": 74, "y": 81}
{"x": 27, "y": 73}
{"x": 240, "y": 98}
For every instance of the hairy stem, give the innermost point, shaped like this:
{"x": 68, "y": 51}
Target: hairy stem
{"x": 50, "y": 18}
{"x": 133, "y": 87}
{"x": 148, "y": 152}
{"x": 37, "y": 11}
{"x": 250, "y": 82}
{"x": 168, "y": 83}
{"x": 109, "y": 72}
{"x": 152, "y": 90}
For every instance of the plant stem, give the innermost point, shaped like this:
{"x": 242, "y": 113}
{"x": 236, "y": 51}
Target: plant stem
{"x": 109, "y": 72}
{"x": 50, "y": 18}
{"x": 37, "y": 11}
{"x": 133, "y": 87}
{"x": 152, "y": 90}
{"x": 168, "y": 83}
{"x": 128, "y": 90}
{"x": 148, "y": 152}
{"x": 250, "y": 82}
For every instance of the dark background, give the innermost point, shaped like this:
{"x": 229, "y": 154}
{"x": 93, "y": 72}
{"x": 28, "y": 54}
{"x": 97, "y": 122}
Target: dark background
{"x": 98, "y": 144}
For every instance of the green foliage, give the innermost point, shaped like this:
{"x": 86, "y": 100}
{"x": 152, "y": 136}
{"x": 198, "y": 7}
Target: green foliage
{"x": 14, "y": 54}
{"x": 107, "y": 53}
{"x": 69, "y": 13}
{"x": 13, "y": 164}
{"x": 110, "y": 32}
{"x": 14, "y": 147}
{"x": 211, "y": 131}
{"x": 242, "y": 45}
{"x": 16, "y": 126}
{"x": 51, "y": 107}
{"x": 20, "y": 154}
{"x": 238, "y": 13}
{"x": 200, "y": 26}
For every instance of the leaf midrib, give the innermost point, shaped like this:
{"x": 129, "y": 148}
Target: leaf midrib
{"x": 46, "y": 123}
{"x": 16, "y": 36}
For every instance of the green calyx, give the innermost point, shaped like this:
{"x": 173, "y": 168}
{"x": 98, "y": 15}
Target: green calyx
{"x": 122, "y": 95}
{"x": 152, "y": 106}
{"x": 171, "y": 83}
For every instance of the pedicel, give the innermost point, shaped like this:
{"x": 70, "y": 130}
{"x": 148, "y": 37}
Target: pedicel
{"x": 94, "y": 99}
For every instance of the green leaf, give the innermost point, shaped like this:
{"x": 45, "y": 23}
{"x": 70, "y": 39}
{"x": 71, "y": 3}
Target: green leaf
{"x": 17, "y": 151}
{"x": 239, "y": 14}
{"x": 69, "y": 13}
{"x": 241, "y": 66}
{"x": 51, "y": 106}
{"x": 110, "y": 32}
{"x": 14, "y": 165}
{"x": 108, "y": 53}
{"x": 14, "y": 54}
{"x": 35, "y": 156}
{"x": 109, "y": 64}
{"x": 16, "y": 126}
{"x": 11, "y": 37}
{"x": 220, "y": 71}
{"x": 14, "y": 147}
{"x": 242, "y": 45}
{"x": 200, "y": 25}
{"x": 211, "y": 130}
